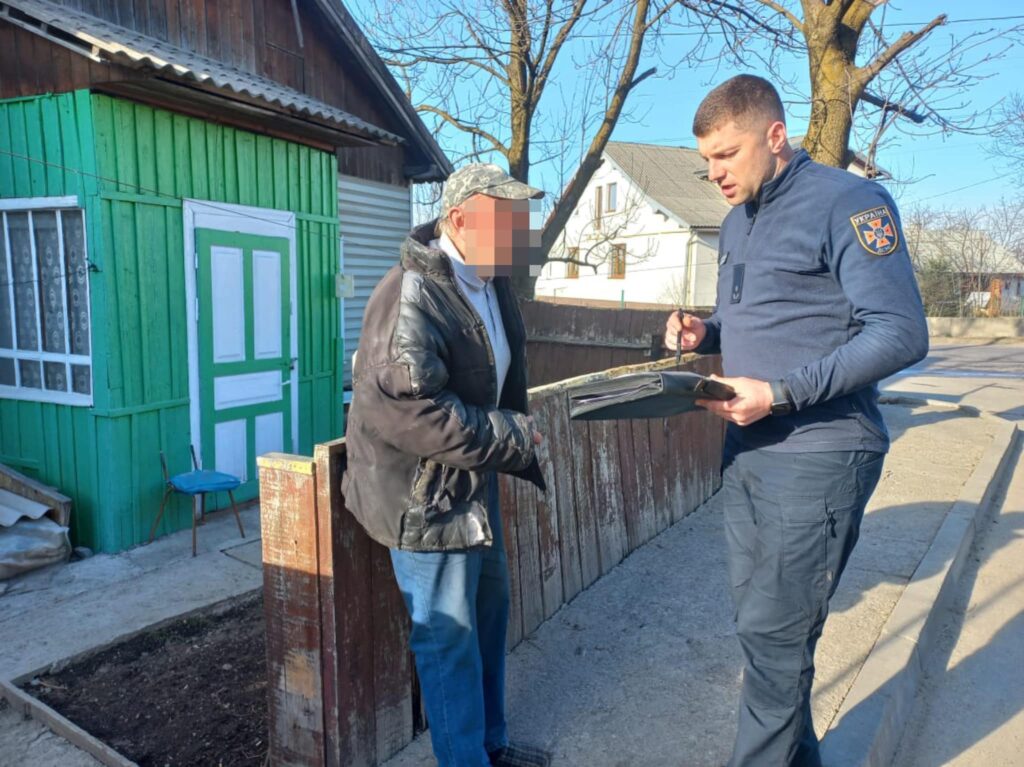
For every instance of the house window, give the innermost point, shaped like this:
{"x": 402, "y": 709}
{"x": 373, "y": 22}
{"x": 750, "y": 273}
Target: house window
{"x": 572, "y": 267}
{"x": 45, "y": 353}
{"x": 613, "y": 198}
{"x": 597, "y": 209}
{"x": 618, "y": 262}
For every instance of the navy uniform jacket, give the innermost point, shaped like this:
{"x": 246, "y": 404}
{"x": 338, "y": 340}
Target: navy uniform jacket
{"x": 816, "y": 288}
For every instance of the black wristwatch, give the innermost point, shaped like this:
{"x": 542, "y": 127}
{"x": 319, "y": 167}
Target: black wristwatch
{"x": 782, "y": 402}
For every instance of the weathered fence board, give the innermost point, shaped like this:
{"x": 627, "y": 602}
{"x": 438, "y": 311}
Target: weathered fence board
{"x": 586, "y": 502}
{"x": 292, "y": 608}
{"x": 507, "y": 500}
{"x": 548, "y": 528}
{"x": 567, "y": 340}
{"x": 559, "y": 476}
{"x": 342, "y": 685}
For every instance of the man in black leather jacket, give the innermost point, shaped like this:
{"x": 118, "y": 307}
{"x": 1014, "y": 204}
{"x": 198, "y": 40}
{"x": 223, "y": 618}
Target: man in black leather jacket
{"x": 439, "y": 406}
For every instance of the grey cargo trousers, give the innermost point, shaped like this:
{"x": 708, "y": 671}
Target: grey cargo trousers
{"x": 791, "y": 521}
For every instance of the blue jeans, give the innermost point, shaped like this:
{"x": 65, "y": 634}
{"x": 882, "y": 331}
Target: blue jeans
{"x": 459, "y": 604}
{"x": 791, "y": 522}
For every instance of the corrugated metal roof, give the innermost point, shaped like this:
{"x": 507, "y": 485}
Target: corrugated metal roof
{"x": 671, "y": 176}
{"x": 124, "y": 46}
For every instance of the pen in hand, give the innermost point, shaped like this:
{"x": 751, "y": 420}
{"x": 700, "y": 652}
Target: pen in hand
{"x": 679, "y": 337}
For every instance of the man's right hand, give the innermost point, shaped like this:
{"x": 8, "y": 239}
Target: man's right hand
{"x": 692, "y": 328}
{"x": 537, "y": 436}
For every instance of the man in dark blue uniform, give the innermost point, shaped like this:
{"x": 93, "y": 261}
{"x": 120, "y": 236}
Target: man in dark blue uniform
{"x": 817, "y": 302}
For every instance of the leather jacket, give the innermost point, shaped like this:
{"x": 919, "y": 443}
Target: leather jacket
{"x": 423, "y": 432}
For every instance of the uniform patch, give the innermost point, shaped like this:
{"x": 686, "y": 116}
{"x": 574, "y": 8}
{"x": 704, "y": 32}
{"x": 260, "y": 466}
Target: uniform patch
{"x": 876, "y": 230}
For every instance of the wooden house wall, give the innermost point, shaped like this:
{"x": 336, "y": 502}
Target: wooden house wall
{"x": 259, "y": 36}
{"x": 31, "y": 65}
{"x": 54, "y": 443}
{"x": 143, "y": 163}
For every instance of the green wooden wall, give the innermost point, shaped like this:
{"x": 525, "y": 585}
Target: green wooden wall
{"x": 137, "y": 165}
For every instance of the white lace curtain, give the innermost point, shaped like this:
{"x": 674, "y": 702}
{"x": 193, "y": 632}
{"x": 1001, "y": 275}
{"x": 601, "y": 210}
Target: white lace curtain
{"x": 44, "y": 311}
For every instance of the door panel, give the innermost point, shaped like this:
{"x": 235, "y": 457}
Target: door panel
{"x": 245, "y": 355}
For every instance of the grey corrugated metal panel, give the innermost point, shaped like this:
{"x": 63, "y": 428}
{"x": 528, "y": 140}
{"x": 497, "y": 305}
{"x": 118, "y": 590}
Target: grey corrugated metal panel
{"x": 374, "y": 219}
{"x": 127, "y": 46}
{"x": 670, "y": 177}
{"x": 354, "y": 211}
{"x": 394, "y": 222}
{"x": 361, "y": 202}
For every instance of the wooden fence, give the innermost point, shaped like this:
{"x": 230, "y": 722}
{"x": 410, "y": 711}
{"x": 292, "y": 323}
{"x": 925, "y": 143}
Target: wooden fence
{"x": 564, "y": 340}
{"x": 342, "y": 689}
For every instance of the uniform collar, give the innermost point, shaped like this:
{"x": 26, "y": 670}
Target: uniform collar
{"x": 779, "y": 185}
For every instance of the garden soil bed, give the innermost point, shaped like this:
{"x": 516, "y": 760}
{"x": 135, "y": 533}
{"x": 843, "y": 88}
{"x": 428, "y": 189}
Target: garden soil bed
{"x": 191, "y": 693}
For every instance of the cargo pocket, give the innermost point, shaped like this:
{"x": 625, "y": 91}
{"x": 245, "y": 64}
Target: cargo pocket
{"x": 806, "y": 542}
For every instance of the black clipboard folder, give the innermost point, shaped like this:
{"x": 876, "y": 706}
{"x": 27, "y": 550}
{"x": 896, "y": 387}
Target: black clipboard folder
{"x": 643, "y": 395}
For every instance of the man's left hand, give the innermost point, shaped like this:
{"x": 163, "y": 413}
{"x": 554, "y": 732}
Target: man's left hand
{"x": 753, "y": 401}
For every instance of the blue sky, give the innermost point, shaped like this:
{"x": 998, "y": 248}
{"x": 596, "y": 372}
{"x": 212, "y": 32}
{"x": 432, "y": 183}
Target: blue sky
{"x": 939, "y": 166}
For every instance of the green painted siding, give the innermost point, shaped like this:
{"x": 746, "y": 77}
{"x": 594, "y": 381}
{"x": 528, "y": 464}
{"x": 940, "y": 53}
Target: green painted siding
{"x": 46, "y": 150}
{"x": 137, "y": 165}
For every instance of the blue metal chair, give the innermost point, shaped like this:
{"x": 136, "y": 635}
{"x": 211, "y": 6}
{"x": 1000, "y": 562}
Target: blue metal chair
{"x": 196, "y": 484}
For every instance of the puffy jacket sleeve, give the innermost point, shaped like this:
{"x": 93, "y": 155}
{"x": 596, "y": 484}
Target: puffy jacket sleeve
{"x": 865, "y": 250}
{"x": 413, "y": 409}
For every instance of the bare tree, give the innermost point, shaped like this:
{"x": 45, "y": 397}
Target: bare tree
{"x": 535, "y": 81}
{"x": 958, "y": 252}
{"x": 855, "y": 60}
{"x": 1008, "y": 146}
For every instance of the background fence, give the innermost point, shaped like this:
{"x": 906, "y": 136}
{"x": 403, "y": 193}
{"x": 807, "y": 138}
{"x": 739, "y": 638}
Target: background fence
{"x": 342, "y": 690}
{"x": 566, "y": 340}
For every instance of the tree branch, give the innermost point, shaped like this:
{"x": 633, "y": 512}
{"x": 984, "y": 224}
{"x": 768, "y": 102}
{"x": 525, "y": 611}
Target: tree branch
{"x": 556, "y": 45}
{"x": 869, "y": 71}
{"x": 591, "y": 161}
{"x": 782, "y": 11}
{"x": 473, "y": 130}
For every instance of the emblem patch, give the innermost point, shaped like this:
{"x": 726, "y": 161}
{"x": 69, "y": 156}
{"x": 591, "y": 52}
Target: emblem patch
{"x": 876, "y": 230}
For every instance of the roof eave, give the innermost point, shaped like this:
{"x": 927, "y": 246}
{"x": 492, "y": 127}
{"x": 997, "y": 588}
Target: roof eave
{"x": 379, "y": 74}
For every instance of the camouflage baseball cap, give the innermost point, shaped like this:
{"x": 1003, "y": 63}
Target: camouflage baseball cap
{"x": 484, "y": 178}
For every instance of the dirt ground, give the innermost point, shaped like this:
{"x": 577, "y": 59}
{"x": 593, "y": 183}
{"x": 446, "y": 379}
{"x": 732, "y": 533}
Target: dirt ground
{"x": 191, "y": 693}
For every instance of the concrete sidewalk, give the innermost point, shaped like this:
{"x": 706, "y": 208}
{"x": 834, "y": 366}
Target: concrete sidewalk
{"x": 641, "y": 669}
{"x": 970, "y": 709}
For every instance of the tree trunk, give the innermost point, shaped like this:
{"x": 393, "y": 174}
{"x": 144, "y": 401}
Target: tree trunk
{"x": 836, "y": 90}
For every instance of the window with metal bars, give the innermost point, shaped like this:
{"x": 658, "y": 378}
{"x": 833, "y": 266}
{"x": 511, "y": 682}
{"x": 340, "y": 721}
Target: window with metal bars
{"x": 45, "y": 353}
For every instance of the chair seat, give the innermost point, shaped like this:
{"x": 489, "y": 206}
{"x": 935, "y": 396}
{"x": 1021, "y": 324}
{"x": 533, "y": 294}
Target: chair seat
{"x": 194, "y": 482}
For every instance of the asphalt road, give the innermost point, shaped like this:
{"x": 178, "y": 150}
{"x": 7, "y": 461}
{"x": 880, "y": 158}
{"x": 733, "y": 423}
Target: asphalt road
{"x": 986, "y": 375}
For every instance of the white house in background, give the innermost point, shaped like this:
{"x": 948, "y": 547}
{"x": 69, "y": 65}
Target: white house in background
{"x": 648, "y": 222}
{"x": 646, "y": 230}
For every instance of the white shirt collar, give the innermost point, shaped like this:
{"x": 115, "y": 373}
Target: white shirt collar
{"x": 464, "y": 271}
